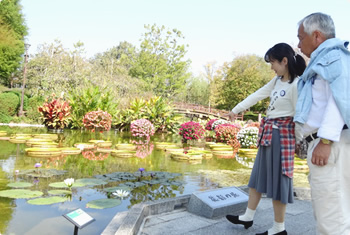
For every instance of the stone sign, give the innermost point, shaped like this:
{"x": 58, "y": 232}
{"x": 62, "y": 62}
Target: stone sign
{"x": 218, "y": 202}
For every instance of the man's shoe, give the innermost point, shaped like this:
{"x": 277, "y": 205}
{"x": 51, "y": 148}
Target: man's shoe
{"x": 284, "y": 232}
{"x": 235, "y": 220}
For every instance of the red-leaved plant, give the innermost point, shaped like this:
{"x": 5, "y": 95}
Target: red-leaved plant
{"x": 191, "y": 131}
{"x": 97, "y": 120}
{"x": 55, "y": 113}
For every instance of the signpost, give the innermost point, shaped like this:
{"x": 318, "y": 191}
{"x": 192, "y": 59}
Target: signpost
{"x": 79, "y": 218}
{"x": 218, "y": 202}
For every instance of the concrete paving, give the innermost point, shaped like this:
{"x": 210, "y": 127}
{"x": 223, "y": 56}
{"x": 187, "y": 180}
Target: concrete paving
{"x": 171, "y": 217}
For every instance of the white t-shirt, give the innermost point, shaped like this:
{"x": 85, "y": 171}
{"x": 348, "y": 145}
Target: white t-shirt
{"x": 324, "y": 116}
{"x": 283, "y": 98}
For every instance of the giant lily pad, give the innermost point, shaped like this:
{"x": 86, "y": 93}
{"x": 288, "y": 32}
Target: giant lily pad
{"x": 46, "y": 136}
{"x": 43, "y": 145}
{"x": 104, "y": 150}
{"x": 70, "y": 151}
{"x": 47, "y": 200}
{"x": 90, "y": 181}
{"x": 103, "y": 203}
{"x": 123, "y": 153}
{"x": 3, "y": 133}
{"x": 105, "y": 144}
{"x": 18, "y": 139}
{"x": 20, "y": 193}
{"x": 125, "y": 146}
{"x": 20, "y": 185}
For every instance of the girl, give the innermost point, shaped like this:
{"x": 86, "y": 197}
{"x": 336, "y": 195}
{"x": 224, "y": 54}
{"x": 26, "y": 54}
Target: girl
{"x": 273, "y": 168}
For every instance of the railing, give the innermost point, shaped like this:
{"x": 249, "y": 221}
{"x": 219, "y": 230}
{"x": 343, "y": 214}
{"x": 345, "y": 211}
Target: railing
{"x": 203, "y": 110}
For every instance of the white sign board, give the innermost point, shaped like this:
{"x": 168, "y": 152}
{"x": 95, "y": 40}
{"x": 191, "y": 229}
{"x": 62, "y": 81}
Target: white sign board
{"x": 222, "y": 197}
{"x": 79, "y": 218}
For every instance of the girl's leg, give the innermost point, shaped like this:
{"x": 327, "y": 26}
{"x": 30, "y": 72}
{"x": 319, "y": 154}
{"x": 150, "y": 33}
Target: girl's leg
{"x": 254, "y": 198}
{"x": 279, "y": 210}
{"x": 253, "y": 201}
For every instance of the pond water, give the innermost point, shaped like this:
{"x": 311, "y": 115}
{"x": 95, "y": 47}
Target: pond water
{"x": 17, "y": 216}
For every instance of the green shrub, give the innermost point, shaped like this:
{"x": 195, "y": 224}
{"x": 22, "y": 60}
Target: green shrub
{"x": 19, "y": 94}
{"x": 5, "y": 118}
{"x": 90, "y": 99}
{"x": 32, "y": 111}
{"x": 156, "y": 109}
{"x": 9, "y": 103}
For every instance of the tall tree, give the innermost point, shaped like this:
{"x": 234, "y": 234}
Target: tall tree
{"x": 240, "y": 78}
{"x": 160, "y": 61}
{"x": 210, "y": 73}
{"x": 197, "y": 91}
{"x": 117, "y": 60}
{"x": 56, "y": 69}
{"x": 12, "y": 33}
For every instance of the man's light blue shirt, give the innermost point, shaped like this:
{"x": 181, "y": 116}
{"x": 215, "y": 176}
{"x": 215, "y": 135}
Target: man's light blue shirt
{"x": 331, "y": 61}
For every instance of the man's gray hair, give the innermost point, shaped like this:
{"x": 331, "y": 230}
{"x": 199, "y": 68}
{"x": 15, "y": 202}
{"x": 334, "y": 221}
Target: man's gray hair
{"x": 320, "y": 22}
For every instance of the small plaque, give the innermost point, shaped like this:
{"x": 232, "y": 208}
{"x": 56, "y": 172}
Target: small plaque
{"x": 218, "y": 202}
{"x": 79, "y": 218}
{"x": 223, "y": 197}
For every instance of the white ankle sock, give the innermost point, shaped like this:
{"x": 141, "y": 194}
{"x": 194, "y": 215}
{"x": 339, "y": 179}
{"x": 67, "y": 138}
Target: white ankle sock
{"x": 248, "y": 215}
{"x": 276, "y": 228}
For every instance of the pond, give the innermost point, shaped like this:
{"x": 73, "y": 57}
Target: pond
{"x": 163, "y": 177}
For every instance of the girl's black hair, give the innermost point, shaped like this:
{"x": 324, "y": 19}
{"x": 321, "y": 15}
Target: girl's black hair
{"x": 296, "y": 63}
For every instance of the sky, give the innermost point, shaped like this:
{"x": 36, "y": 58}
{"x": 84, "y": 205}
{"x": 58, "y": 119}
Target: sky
{"x": 215, "y": 30}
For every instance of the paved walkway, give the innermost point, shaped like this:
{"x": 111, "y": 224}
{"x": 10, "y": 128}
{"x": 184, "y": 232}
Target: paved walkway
{"x": 171, "y": 217}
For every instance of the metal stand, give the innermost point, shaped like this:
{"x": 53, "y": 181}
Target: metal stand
{"x": 76, "y": 230}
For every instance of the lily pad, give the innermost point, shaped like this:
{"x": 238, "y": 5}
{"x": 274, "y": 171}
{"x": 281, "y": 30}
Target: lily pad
{"x": 103, "y": 203}
{"x": 70, "y": 151}
{"x": 59, "y": 192}
{"x": 125, "y": 146}
{"x": 90, "y": 181}
{"x": 20, "y": 185}
{"x": 42, "y": 173}
{"x": 63, "y": 185}
{"x": 20, "y": 193}
{"x": 46, "y": 136}
{"x": 47, "y": 200}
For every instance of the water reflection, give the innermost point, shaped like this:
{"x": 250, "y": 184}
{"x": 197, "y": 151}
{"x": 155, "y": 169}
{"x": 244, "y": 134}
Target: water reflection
{"x": 34, "y": 219}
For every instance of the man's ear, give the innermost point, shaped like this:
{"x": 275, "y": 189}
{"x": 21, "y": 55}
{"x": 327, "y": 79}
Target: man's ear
{"x": 319, "y": 37}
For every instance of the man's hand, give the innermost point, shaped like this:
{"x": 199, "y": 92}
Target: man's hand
{"x": 321, "y": 154}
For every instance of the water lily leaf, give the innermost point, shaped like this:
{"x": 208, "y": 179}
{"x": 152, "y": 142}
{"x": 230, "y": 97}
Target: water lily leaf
{"x": 113, "y": 189}
{"x": 103, "y": 203}
{"x": 90, "y": 181}
{"x": 130, "y": 184}
{"x": 20, "y": 185}
{"x": 139, "y": 184}
{"x": 47, "y": 200}
{"x": 20, "y": 193}
{"x": 43, "y": 173}
{"x": 59, "y": 192}
{"x": 63, "y": 185}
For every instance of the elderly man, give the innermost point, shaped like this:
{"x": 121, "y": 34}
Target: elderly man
{"x": 323, "y": 115}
